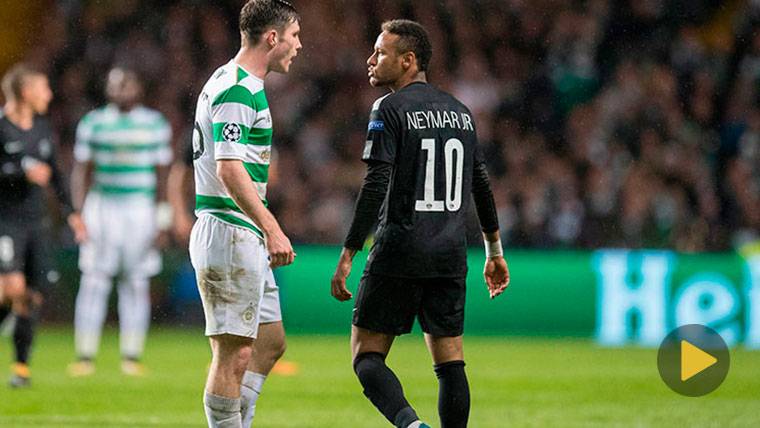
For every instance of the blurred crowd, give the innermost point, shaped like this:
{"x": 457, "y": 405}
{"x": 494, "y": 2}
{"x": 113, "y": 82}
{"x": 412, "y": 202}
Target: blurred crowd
{"x": 629, "y": 123}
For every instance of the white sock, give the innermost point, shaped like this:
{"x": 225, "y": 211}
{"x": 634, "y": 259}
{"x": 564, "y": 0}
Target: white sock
{"x": 222, "y": 412}
{"x": 90, "y": 313}
{"x": 134, "y": 315}
{"x": 415, "y": 424}
{"x": 250, "y": 389}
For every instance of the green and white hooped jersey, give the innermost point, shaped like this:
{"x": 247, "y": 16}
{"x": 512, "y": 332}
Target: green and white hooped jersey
{"x": 232, "y": 121}
{"x": 125, "y": 148}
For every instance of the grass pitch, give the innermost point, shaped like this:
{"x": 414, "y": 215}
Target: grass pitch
{"x": 515, "y": 382}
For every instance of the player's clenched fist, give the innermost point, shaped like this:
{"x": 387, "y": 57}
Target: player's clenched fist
{"x": 281, "y": 252}
{"x": 37, "y": 172}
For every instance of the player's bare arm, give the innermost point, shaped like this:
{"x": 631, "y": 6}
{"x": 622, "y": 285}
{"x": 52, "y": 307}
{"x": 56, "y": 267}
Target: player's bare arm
{"x": 182, "y": 222}
{"x": 81, "y": 176}
{"x": 163, "y": 207}
{"x": 233, "y": 175}
{"x": 339, "y": 290}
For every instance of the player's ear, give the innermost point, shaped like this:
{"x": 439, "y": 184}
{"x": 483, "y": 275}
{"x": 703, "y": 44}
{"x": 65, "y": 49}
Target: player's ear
{"x": 270, "y": 38}
{"x": 408, "y": 59}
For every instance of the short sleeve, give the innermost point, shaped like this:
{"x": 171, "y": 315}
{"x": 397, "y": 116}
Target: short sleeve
{"x": 382, "y": 134}
{"x": 83, "y": 140}
{"x": 233, "y": 113}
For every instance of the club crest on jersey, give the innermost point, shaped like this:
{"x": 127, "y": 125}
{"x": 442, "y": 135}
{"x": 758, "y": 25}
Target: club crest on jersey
{"x": 376, "y": 125}
{"x": 232, "y": 132}
{"x": 266, "y": 155}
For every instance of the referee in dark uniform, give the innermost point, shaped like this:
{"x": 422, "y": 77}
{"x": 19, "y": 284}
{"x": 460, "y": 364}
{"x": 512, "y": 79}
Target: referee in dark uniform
{"x": 423, "y": 164}
{"x": 27, "y": 167}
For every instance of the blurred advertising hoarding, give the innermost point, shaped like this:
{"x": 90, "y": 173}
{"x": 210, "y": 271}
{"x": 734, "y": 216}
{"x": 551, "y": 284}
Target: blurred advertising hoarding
{"x": 618, "y": 297}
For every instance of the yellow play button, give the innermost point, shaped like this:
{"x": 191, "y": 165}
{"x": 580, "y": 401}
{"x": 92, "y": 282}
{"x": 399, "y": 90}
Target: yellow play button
{"x": 694, "y": 360}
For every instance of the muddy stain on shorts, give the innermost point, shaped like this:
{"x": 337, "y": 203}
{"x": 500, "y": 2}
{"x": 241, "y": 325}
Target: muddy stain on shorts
{"x": 213, "y": 283}
{"x": 238, "y": 274}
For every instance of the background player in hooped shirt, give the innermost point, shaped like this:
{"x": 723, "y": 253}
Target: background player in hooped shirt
{"x": 121, "y": 151}
{"x": 27, "y": 167}
{"x": 236, "y": 241}
{"x": 423, "y": 163}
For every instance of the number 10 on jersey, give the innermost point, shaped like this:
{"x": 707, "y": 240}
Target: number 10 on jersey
{"x": 453, "y": 151}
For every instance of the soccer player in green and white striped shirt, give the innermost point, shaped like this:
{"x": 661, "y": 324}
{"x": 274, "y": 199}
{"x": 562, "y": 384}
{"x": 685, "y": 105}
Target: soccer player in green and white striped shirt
{"x": 123, "y": 144}
{"x": 236, "y": 241}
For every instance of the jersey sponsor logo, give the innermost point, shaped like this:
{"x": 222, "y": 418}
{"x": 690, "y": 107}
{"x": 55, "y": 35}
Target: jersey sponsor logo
{"x": 232, "y": 133}
{"x": 376, "y": 125}
{"x": 13, "y": 147}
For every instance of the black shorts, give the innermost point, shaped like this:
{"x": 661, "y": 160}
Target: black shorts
{"x": 388, "y": 305}
{"x": 27, "y": 248}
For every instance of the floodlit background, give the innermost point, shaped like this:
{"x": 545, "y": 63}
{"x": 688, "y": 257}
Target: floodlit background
{"x": 623, "y": 141}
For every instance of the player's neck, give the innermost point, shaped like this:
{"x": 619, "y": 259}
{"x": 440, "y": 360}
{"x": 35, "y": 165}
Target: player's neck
{"x": 408, "y": 80}
{"x": 253, "y": 60}
{"x": 20, "y": 114}
{"x": 126, "y": 107}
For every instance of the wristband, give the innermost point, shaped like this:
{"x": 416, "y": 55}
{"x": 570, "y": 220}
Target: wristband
{"x": 493, "y": 249}
{"x": 164, "y": 214}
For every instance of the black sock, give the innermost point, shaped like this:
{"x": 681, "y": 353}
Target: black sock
{"x": 383, "y": 388}
{"x": 5, "y": 310}
{"x": 22, "y": 338}
{"x": 453, "y": 394}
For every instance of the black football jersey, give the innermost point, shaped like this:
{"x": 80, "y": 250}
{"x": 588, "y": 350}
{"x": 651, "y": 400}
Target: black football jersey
{"x": 19, "y": 148}
{"x": 429, "y": 137}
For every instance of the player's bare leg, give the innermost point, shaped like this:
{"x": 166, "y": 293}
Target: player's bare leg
{"x": 12, "y": 286}
{"x": 230, "y": 357}
{"x": 268, "y": 347}
{"x": 380, "y": 384}
{"x": 453, "y": 389}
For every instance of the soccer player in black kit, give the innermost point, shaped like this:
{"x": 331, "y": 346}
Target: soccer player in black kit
{"x": 27, "y": 167}
{"x": 423, "y": 164}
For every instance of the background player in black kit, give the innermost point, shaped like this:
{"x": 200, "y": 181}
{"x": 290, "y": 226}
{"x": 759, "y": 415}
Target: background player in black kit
{"x": 27, "y": 167}
{"x": 423, "y": 163}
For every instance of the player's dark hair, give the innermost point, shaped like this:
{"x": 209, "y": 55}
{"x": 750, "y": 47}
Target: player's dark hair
{"x": 259, "y": 15}
{"x": 412, "y": 38}
{"x": 14, "y": 79}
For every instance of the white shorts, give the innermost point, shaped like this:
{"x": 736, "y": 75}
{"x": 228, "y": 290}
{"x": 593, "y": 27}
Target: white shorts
{"x": 121, "y": 231}
{"x": 235, "y": 281}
